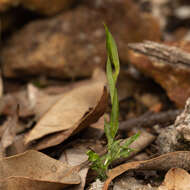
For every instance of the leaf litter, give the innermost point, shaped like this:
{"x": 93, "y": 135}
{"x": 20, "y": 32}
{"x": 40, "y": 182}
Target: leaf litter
{"x": 72, "y": 113}
{"x": 176, "y": 178}
{"x": 67, "y": 111}
{"x": 144, "y": 106}
{"x": 32, "y": 169}
{"x": 165, "y": 162}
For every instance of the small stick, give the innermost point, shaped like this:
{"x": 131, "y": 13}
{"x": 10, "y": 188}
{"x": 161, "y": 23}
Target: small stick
{"x": 160, "y": 52}
{"x": 148, "y": 120}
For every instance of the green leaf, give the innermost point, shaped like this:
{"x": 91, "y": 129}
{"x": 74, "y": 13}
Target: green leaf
{"x": 115, "y": 150}
{"x": 125, "y": 152}
{"x": 107, "y": 130}
{"x": 114, "y": 120}
{"x": 111, "y": 82}
{"x": 92, "y": 156}
{"x": 112, "y": 52}
{"x": 130, "y": 140}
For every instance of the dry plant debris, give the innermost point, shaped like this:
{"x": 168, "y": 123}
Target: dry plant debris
{"x": 149, "y": 120}
{"x": 93, "y": 108}
{"x": 165, "y": 162}
{"x": 67, "y": 112}
{"x": 34, "y": 170}
{"x": 49, "y": 53}
{"x": 176, "y": 179}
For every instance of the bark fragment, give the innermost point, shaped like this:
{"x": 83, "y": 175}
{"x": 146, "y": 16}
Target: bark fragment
{"x": 168, "y": 64}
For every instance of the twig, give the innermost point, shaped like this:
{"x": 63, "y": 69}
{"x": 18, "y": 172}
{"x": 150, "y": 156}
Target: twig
{"x": 165, "y": 53}
{"x": 148, "y": 120}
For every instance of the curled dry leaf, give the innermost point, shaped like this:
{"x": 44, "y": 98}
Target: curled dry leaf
{"x": 34, "y": 170}
{"x": 74, "y": 111}
{"x": 179, "y": 159}
{"x": 88, "y": 118}
{"x": 176, "y": 179}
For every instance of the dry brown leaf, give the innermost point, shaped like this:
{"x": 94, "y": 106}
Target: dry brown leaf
{"x": 34, "y": 170}
{"x": 68, "y": 111}
{"x": 40, "y": 101}
{"x": 180, "y": 159}
{"x": 88, "y": 118}
{"x": 17, "y": 183}
{"x": 176, "y": 179}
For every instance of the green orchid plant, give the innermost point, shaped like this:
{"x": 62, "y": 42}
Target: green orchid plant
{"x": 115, "y": 148}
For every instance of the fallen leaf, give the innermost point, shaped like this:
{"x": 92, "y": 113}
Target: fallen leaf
{"x": 176, "y": 179}
{"x": 88, "y": 118}
{"x": 179, "y": 159}
{"x": 34, "y": 170}
{"x": 41, "y": 100}
{"x": 68, "y": 111}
